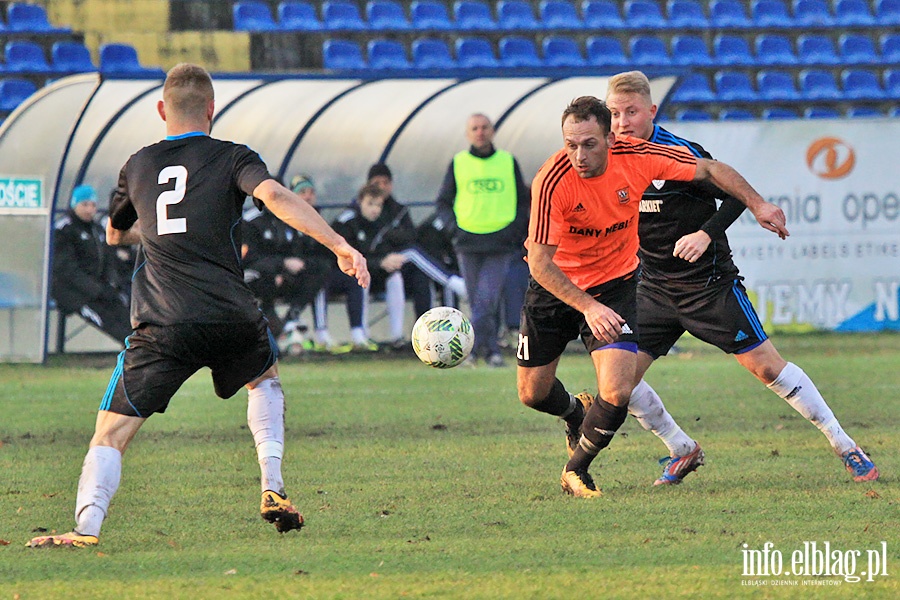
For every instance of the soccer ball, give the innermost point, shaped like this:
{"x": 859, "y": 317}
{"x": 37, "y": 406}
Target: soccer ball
{"x": 442, "y": 337}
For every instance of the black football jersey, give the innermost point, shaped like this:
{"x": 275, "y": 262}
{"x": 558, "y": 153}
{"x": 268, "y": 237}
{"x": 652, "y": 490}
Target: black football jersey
{"x": 188, "y": 193}
{"x": 672, "y": 209}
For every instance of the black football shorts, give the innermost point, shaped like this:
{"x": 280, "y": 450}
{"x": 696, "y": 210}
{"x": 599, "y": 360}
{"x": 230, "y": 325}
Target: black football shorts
{"x": 720, "y": 314}
{"x": 548, "y": 324}
{"x": 158, "y": 359}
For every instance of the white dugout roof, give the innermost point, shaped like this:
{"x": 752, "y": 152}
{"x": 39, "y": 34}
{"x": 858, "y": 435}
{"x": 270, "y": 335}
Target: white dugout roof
{"x": 81, "y": 129}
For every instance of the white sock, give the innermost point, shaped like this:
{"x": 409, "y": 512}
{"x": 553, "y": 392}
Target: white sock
{"x": 265, "y": 417}
{"x": 800, "y": 392}
{"x": 646, "y": 406}
{"x": 395, "y": 298}
{"x": 457, "y": 285}
{"x": 323, "y": 337}
{"x": 100, "y": 476}
{"x": 358, "y": 335}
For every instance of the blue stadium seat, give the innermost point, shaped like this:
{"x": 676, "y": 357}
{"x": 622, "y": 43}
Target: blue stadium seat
{"x": 770, "y": 13}
{"x": 864, "y": 112}
{"x": 298, "y": 16}
{"x": 887, "y": 12}
{"x": 516, "y": 14}
{"x": 605, "y": 52}
{"x": 686, "y": 14}
{"x": 122, "y": 59}
{"x": 341, "y": 14}
{"x": 71, "y": 57}
{"x": 473, "y": 15}
{"x": 25, "y": 57}
{"x": 774, "y": 114}
{"x": 562, "y": 52}
{"x": 855, "y": 48}
{"x": 387, "y": 54}
{"x": 776, "y": 85}
{"x": 774, "y": 49}
{"x": 736, "y": 114}
{"x": 472, "y": 53}
{"x": 732, "y": 50}
{"x": 692, "y": 114}
{"x": 429, "y": 14}
{"x": 848, "y": 13}
{"x": 31, "y": 18}
{"x": 516, "y": 51}
{"x": 890, "y": 47}
{"x": 386, "y": 15}
{"x": 815, "y": 49}
{"x": 694, "y": 88}
{"x": 559, "y": 14}
{"x": 821, "y": 112}
{"x": 859, "y": 84}
{"x": 728, "y": 13}
{"x": 252, "y": 15}
{"x": 734, "y": 86}
{"x": 342, "y": 55}
{"x": 892, "y": 83}
{"x": 812, "y": 13}
{"x": 818, "y": 84}
{"x": 431, "y": 53}
{"x": 643, "y": 14}
{"x": 601, "y": 14}
{"x": 13, "y": 91}
{"x": 648, "y": 51}
{"x": 691, "y": 51}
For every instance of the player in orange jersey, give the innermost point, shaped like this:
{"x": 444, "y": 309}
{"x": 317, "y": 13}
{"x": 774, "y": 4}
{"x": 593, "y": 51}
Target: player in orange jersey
{"x": 582, "y": 255}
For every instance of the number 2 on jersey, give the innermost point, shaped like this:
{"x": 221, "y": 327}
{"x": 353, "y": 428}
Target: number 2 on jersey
{"x": 165, "y": 225}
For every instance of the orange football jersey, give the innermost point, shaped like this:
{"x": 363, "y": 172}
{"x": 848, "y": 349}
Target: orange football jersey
{"x": 593, "y": 222}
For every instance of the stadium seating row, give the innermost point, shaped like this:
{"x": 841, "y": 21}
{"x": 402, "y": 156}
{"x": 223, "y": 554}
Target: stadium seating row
{"x": 774, "y": 113}
{"x": 643, "y": 51}
{"x": 472, "y": 15}
{"x": 780, "y": 86}
{"x": 30, "y": 18}
{"x": 24, "y": 57}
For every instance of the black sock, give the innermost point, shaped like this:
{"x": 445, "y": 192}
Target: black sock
{"x": 557, "y": 402}
{"x": 600, "y": 425}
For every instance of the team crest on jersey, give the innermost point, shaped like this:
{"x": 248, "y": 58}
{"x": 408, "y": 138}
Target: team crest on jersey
{"x": 622, "y": 195}
{"x": 659, "y": 183}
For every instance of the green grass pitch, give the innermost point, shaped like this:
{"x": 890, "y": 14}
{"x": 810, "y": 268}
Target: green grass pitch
{"x": 426, "y": 483}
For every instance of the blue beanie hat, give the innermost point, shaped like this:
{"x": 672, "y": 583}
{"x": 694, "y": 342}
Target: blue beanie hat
{"x": 83, "y": 193}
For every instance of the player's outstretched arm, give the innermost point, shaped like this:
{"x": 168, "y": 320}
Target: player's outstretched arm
{"x": 291, "y": 209}
{"x": 605, "y": 323}
{"x": 119, "y": 237}
{"x": 730, "y": 181}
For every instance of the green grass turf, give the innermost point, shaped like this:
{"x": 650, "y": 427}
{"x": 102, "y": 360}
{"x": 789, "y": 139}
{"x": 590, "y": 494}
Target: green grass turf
{"x": 419, "y": 483}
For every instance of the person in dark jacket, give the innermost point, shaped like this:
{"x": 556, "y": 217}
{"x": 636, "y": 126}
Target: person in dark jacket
{"x": 485, "y": 198}
{"x": 381, "y": 235}
{"x": 85, "y": 281}
{"x": 280, "y": 263}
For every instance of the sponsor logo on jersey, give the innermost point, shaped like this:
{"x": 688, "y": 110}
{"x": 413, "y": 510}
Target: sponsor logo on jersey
{"x": 622, "y": 195}
{"x": 830, "y": 158}
{"x": 599, "y": 231}
{"x": 487, "y": 185}
{"x": 579, "y": 208}
{"x": 626, "y": 329}
{"x": 741, "y": 336}
{"x": 650, "y": 206}
{"x": 659, "y": 183}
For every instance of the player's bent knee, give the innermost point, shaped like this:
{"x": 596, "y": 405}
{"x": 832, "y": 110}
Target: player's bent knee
{"x": 271, "y": 373}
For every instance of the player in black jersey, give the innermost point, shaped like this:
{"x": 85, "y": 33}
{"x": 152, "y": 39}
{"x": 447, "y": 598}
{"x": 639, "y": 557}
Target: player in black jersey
{"x": 690, "y": 283}
{"x": 181, "y": 198}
